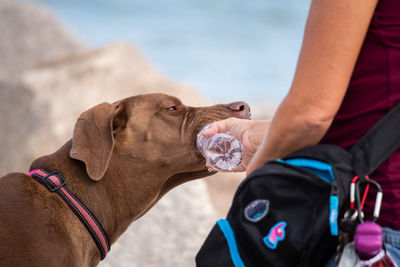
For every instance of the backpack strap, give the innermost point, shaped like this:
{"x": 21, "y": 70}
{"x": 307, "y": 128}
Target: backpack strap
{"x": 377, "y": 144}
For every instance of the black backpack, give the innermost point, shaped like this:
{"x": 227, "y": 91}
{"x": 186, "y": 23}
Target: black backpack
{"x": 286, "y": 213}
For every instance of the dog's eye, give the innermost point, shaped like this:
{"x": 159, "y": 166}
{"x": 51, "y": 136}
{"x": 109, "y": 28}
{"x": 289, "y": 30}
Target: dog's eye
{"x": 173, "y": 108}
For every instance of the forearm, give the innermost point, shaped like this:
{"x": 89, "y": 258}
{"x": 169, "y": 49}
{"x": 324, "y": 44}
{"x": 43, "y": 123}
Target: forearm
{"x": 285, "y": 137}
{"x": 334, "y": 33}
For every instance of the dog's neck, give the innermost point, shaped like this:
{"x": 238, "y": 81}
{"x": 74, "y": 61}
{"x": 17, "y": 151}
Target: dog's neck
{"x": 119, "y": 198}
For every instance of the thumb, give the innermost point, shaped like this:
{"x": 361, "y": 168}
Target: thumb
{"x": 222, "y": 126}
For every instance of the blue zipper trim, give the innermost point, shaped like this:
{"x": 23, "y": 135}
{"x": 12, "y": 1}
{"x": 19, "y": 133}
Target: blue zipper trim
{"x": 230, "y": 239}
{"x": 333, "y": 215}
{"x": 322, "y": 169}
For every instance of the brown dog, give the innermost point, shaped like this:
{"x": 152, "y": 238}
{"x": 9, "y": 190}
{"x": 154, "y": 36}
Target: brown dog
{"x": 122, "y": 159}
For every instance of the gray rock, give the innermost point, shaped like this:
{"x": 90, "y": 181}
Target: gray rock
{"x": 30, "y": 34}
{"x": 170, "y": 234}
{"x": 17, "y": 124}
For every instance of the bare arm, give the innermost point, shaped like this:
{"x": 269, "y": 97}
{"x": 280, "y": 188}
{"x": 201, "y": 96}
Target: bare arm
{"x": 333, "y": 36}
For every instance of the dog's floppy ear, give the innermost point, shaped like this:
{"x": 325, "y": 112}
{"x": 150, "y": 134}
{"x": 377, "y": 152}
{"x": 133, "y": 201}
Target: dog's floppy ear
{"x": 93, "y": 139}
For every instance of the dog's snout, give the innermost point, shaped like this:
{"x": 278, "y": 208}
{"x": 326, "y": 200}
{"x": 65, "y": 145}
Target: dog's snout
{"x": 241, "y": 109}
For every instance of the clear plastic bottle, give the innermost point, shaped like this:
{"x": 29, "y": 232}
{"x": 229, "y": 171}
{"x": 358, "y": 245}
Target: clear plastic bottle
{"x": 222, "y": 151}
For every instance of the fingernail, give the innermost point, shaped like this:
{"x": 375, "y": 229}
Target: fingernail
{"x": 205, "y": 129}
{"x": 204, "y": 132}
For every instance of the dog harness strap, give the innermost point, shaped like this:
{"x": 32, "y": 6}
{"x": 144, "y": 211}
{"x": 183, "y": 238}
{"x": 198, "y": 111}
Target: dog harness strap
{"x": 55, "y": 182}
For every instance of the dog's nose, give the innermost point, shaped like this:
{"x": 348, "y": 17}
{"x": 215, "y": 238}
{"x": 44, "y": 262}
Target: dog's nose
{"x": 241, "y": 109}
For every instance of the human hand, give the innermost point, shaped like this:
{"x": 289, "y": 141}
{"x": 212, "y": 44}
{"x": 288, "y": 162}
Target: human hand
{"x": 249, "y": 133}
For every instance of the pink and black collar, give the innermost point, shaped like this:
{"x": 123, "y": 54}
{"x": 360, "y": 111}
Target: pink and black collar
{"x": 55, "y": 182}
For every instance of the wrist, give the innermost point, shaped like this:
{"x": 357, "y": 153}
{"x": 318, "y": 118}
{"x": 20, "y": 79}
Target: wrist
{"x": 257, "y": 132}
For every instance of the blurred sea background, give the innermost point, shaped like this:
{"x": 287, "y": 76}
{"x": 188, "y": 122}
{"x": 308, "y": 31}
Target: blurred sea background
{"x": 50, "y": 72}
{"x": 227, "y": 49}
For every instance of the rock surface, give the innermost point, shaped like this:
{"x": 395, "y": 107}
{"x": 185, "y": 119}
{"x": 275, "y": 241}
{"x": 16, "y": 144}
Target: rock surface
{"x": 30, "y": 34}
{"x": 170, "y": 234}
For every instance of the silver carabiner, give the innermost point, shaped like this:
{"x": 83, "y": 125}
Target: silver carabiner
{"x": 378, "y": 199}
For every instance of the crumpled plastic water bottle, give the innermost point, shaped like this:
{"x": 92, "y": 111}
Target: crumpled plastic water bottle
{"x": 222, "y": 151}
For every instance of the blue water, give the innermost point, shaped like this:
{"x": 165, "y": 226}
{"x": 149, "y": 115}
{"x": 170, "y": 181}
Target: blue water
{"x": 226, "y": 49}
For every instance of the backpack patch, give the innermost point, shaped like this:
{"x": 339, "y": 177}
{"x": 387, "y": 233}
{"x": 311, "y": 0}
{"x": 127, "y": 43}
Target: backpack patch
{"x": 256, "y": 210}
{"x": 276, "y": 234}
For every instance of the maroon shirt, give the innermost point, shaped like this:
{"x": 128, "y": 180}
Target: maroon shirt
{"x": 373, "y": 90}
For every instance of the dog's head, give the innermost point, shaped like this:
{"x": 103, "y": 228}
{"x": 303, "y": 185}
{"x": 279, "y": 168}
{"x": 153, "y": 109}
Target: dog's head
{"x": 147, "y": 132}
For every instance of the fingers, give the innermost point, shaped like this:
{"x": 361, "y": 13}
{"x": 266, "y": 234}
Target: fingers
{"x": 217, "y": 127}
{"x": 210, "y": 131}
{"x": 241, "y": 168}
{"x": 222, "y": 126}
{"x": 209, "y": 165}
